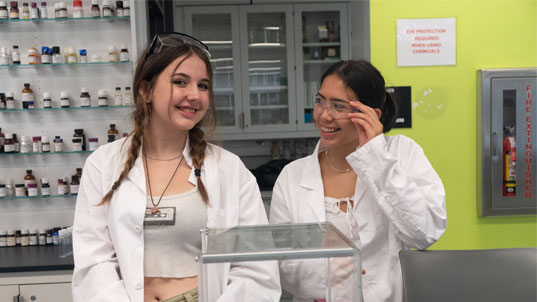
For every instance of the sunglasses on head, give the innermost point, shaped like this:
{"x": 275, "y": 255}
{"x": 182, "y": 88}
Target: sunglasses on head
{"x": 174, "y": 39}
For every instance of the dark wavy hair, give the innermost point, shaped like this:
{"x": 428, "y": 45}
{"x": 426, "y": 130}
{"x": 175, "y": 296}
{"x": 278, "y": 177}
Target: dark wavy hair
{"x": 368, "y": 85}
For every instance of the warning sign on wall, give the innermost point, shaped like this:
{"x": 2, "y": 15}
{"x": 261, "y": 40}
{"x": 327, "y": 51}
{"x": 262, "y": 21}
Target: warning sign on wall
{"x": 425, "y": 42}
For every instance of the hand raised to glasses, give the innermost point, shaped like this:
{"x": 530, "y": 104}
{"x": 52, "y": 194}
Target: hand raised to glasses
{"x": 367, "y": 122}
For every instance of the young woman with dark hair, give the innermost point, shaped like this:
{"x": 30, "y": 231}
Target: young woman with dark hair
{"x": 380, "y": 191}
{"x": 143, "y": 199}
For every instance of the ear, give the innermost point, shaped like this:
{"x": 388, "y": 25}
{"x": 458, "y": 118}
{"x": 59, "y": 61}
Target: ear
{"x": 378, "y": 112}
{"x": 145, "y": 91}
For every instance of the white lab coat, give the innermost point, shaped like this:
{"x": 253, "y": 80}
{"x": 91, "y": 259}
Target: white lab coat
{"x": 108, "y": 240}
{"x": 400, "y": 204}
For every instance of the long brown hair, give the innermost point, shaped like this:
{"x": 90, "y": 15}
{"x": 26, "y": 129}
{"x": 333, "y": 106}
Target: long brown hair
{"x": 147, "y": 72}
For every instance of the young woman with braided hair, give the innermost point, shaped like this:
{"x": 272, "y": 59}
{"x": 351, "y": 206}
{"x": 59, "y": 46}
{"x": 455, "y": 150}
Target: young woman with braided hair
{"x": 143, "y": 199}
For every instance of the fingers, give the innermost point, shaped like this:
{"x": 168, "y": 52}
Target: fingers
{"x": 367, "y": 119}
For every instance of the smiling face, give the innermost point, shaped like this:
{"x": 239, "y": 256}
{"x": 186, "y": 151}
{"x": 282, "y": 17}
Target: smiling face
{"x": 335, "y": 132}
{"x": 180, "y": 97}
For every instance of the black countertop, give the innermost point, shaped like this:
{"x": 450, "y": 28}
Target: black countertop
{"x": 33, "y": 258}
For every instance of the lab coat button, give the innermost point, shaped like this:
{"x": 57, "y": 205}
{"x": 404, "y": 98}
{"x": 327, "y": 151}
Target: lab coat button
{"x": 138, "y": 228}
{"x": 139, "y": 286}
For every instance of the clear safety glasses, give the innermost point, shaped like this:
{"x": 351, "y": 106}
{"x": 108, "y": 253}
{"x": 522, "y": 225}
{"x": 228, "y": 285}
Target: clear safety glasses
{"x": 336, "y": 108}
{"x": 174, "y": 39}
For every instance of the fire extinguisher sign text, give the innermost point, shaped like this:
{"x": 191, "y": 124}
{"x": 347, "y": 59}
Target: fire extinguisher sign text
{"x": 528, "y": 150}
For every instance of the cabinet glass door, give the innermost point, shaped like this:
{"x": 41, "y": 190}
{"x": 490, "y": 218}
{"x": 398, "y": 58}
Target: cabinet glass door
{"x": 322, "y": 38}
{"x": 266, "y": 68}
{"x": 217, "y": 27}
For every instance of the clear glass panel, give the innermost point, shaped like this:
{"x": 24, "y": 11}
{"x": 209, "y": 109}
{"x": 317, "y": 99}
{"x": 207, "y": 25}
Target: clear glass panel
{"x": 215, "y": 31}
{"x": 320, "y": 47}
{"x": 321, "y": 251}
{"x": 509, "y": 143}
{"x": 267, "y": 66}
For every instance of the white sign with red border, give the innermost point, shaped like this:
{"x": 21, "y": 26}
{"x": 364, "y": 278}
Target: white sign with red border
{"x": 426, "y": 42}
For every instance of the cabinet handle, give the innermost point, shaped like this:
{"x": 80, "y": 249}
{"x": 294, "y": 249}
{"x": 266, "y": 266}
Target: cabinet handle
{"x": 494, "y": 135}
{"x": 241, "y": 121}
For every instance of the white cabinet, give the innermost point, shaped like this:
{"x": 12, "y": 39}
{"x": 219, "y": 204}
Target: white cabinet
{"x": 95, "y": 35}
{"x": 51, "y": 286}
{"x": 51, "y": 292}
{"x": 264, "y": 68}
{"x": 8, "y": 293}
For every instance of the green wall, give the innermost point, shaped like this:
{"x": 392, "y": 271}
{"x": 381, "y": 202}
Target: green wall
{"x": 490, "y": 34}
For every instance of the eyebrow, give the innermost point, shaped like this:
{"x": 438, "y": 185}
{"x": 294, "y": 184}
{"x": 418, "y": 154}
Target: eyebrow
{"x": 333, "y": 99}
{"x": 189, "y": 77}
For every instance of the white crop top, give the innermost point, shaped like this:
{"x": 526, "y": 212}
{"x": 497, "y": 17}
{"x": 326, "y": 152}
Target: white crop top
{"x": 344, "y": 221}
{"x": 170, "y": 246}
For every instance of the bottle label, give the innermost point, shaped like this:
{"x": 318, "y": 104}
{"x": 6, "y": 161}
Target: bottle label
{"x": 33, "y": 239}
{"x": 34, "y": 13}
{"x": 71, "y": 58}
{"x": 103, "y": 101}
{"x": 85, "y": 101}
{"x": 45, "y": 59}
{"x": 107, "y": 12}
{"x": 126, "y": 12}
{"x": 118, "y": 100}
{"x": 95, "y": 12}
{"x": 64, "y": 102}
{"x": 45, "y": 191}
{"x": 10, "y": 104}
{"x": 93, "y": 146}
{"x": 74, "y": 189}
{"x": 56, "y": 59}
{"x": 44, "y": 13}
{"x": 77, "y": 13}
{"x": 27, "y": 97}
{"x": 77, "y": 146}
{"x": 62, "y": 13}
{"x": 47, "y": 103}
{"x": 16, "y": 57}
{"x": 4, "y": 60}
{"x": 62, "y": 189}
{"x": 9, "y": 148}
{"x": 3, "y": 192}
{"x": 45, "y": 147}
{"x": 32, "y": 59}
{"x": 32, "y": 191}
{"x": 19, "y": 192}
{"x": 3, "y": 14}
{"x": 26, "y": 148}
{"x": 13, "y": 14}
{"x": 124, "y": 56}
{"x": 58, "y": 147}
{"x": 36, "y": 147}
{"x": 112, "y": 57}
{"x": 83, "y": 59}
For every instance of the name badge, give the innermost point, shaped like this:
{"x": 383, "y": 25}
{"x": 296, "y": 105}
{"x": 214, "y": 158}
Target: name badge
{"x": 163, "y": 216}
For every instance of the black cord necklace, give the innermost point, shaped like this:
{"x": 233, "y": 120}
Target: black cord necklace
{"x": 155, "y": 208}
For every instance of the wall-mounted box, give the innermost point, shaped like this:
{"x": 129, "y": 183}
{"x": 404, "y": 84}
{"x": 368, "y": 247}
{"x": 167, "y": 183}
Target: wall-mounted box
{"x": 507, "y": 141}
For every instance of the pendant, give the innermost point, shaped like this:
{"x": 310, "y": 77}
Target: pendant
{"x": 155, "y": 210}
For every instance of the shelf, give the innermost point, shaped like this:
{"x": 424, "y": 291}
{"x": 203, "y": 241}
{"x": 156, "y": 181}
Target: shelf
{"x": 67, "y": 108}
{"x": 44, "y": 153}
{"x": 267, "y": 88}
{"x": 229, "y": 108}
{"x": 262, "y": 107}
{"x": 325, "y": 61}
{"x": 39, "y": 197}
{"x": 10, "y": 66}
{"x": 266, "y": 45}
{"x": 65, "y": 20}
{"x": 321, "y": 44}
